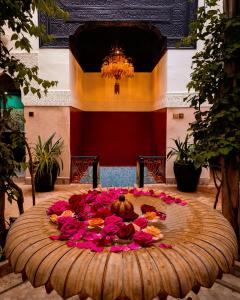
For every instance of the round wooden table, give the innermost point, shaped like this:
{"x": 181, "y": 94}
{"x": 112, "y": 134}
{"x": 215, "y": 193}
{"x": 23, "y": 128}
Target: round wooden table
{"x": 204, "y": 247}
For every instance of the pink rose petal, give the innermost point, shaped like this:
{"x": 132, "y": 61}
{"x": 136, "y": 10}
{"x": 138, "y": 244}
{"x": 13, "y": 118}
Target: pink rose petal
{"x": 58, "y": 207}
{"x": 183, "y": 203}
{"x": 71, "y": 244}
{"x": 89, "y": 245}
{"x": 141, "y": 222}
{"x": 54, "y": 237}
{"x": 177, "y": 200}
{"x": 92, "y": 236}
{"x": 134, "y": 246}
{"x": 110, "y": 229}
{"x": 165, "y": 246}
{"x": 97, "y": 203}
{"x": 143, "y": 238}
{"x": 162, "y": 216}
{"x": 119, "y": 248}
{"x": 113, "y": 220}
{"x": 77, "y": 236}
{"x": 96, "y": 248}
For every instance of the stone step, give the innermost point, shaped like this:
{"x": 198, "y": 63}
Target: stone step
{"x": 8, "y": 282}
{"x": 4, "y": 268}
{"x": 230, "y": 281}
{"x": 13, "y": 288}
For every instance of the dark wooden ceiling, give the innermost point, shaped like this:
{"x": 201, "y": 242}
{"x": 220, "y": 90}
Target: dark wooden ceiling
{"x": 141, "y": 41}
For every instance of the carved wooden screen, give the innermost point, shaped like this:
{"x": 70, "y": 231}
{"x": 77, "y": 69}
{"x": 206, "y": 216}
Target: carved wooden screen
{"x": 172, "y": 17}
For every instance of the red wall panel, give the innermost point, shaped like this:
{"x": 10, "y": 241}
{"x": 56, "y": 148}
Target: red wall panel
{"x": 159, "y": 119}
{"x": 118, "y": 137}
{"x": 76, "y": 131}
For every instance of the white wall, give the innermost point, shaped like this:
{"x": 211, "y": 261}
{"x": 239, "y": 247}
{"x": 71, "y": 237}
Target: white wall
{"x": 54, "y": 65}
{"x": 177, "y": 128}
{"x": 179, "y": 70}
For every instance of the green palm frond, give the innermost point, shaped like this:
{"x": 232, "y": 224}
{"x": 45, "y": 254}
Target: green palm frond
{"x": 183, "y": 150}
{"x": 47, "y": 155}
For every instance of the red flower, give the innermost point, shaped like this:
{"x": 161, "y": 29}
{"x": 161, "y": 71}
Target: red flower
{"x": 130, "y": 216}
{"x": 126, "y": 231}
{"x": 91, "y": 196}
{"x": 58, "y": 208}
{"x": 161, "y": 215}
{"x": 103, "y": 212}
{"x": 70, "y": 227}
{"x": 105, "y": 241}
{"x": 77, "y": 203}
{"x": 141, "y": 222}
{"x": 113, "y": 220}
{"x": 147, "y": 208}
{"x": 110, "y": 229}
{"x": 143, "y": 238}
{"x": 62, "y": 220}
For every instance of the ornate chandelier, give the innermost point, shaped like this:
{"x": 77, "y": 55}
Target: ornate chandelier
{"x": 117, "y": 65}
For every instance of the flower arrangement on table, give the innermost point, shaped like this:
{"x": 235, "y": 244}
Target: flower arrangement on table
{"x": 106, "y": 219}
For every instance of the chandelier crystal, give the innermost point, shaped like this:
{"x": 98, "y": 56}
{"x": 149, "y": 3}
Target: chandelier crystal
{"x": 116, "y": 65}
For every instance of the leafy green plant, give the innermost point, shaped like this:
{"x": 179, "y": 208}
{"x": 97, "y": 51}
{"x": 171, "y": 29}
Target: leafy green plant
{"x": 187, "y": 171}
{"x": 17, "y": 17}
{"x": 215, "y": 80}
{"x": 47, "y": 157}
{"x": 9, "y": 165}
{"x": 183, "y": 151}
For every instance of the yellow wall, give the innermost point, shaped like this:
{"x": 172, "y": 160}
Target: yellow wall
{"x": 93, "y": 93}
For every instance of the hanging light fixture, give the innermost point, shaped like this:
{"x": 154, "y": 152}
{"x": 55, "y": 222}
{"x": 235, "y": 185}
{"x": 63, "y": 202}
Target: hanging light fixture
{"x": 117, "y": 65}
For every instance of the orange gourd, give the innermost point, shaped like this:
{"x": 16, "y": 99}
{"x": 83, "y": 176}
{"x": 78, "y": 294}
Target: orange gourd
{"x": 121, "y": 207}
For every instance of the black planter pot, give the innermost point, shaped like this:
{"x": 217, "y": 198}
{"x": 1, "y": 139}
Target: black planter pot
{"x": 187, "y": 176}
{"x": 45, "y": 182}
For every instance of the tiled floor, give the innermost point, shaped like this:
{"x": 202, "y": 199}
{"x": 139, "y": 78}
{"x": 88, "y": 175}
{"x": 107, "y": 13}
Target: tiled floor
{"x": 117, "y": 176}
{"x": 24, "y": 291}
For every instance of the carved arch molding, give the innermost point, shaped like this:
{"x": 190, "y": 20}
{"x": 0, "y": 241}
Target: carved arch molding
{"x": 171, "y": 17}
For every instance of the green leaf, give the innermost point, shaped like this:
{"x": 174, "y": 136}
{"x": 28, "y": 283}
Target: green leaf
{"x": 25, "y": 90}
{"x": 14, "y": 37}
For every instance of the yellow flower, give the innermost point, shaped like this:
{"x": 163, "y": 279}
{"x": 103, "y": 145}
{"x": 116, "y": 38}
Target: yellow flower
{"x": 151, "y": 215}
{"x": 67, "y": 213}
{"x": 95, "y": 222}
{"x": 154, "y": 231}
{"x": 53, "y": 218}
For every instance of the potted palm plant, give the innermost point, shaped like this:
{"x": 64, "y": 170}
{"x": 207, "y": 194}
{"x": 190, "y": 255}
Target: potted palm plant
{"x": 186, "y": 172}
{"x": 47, "y": 163}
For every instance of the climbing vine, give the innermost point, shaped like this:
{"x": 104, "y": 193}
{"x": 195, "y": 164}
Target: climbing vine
{"x": 215, "y": 96}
